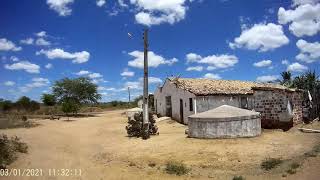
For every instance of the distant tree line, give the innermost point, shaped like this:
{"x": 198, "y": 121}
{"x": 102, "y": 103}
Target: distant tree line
{"x": 22, "y": 104}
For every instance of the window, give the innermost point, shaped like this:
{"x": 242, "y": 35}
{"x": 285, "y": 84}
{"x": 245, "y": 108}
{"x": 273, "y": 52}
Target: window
{"x": 244, "y": 103}
{"x": 191, "y": 104}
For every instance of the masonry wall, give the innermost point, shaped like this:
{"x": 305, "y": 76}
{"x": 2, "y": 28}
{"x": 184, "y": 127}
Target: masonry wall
{"x": 278, "y": 108}
{"x": 176, "y": 94}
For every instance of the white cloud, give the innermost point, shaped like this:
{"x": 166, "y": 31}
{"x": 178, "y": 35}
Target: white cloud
{"x": 159, "y": 11}
{"x": 285, "y": 62}
{"x": 152, "y": 80}
{"x": 262, "y": 37}
{"x": 60, "y": 6}
{"x": 6, "y": 45}
{"x": 48, "y": 66}
{"x": 297, "y": 67}
{"x": 127, "y": 73}
{"x": 154, "y": 60}
{"x": 95, "y": 75}
{"x": 132, "y": 85}
{"x": 303, "y": 21}
{"x": 42, "y": 42}
{"x": 212, "y": 76}
{"x": 82, "y": 72}
{"x": 195, "y": 68}
{"x": 36, "y": 83}
{"x": 28, "y": 41}
{"x": 24, "y": 65}
{"x": 309, "y": 52}
{"x": 100, "y": 3}
{"x": 41, "y": 34}
{"x": 101, "y": 88}
{"x": 139, "y": 84}
{"x": 9, "y": 83}
{"x": 122, "y": 4}
{"x": 14, "y": 59}
{"x": 263, "y": 63}
{"x": 76, "y": 57}
{"x": 215, "y": 61}
{"x": 268, "y": 78}
{"x": 301, "y": 2}
{"x": 192, "y": 57}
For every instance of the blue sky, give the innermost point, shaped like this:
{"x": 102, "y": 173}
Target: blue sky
{"x": 42, "y": 41}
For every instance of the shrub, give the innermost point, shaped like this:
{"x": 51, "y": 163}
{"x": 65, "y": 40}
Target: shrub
{"x": 294, "y": 165}
{"x": 271, "y": 163}
{"x": 238, "y": 178}
{"x": 9, "y": 149}
{"x": 176, "y": 168}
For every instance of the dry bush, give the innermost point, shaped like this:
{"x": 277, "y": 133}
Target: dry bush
{"x": 9, "y": 149}
{"x": 238, "y": 178}
{"x": 271, "y": 163}
{"x": 176, "y": 168}
{"x": 16, "y": 121}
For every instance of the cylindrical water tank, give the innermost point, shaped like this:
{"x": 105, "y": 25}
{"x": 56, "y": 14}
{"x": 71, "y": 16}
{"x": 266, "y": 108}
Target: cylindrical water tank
{"x": 224, "y": 122}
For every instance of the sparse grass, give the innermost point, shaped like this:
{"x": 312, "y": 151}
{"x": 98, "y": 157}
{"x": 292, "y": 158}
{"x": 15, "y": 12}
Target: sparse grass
{"x": 16, "y": 121}
{"x": 271, "y": 163}
{"x": 238, "y": 178}
{"x": 9, "y": 149}
{"x": 176, "y": 168}
{"x": 314, "y": 152}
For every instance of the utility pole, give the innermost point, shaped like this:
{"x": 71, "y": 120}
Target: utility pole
{"x": 145, "y": 88}
{"x": 129, "y": 96}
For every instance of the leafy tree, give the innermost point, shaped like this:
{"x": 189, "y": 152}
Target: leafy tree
{"x": 70, "y": 106}
{"x": 72, "y": 93}
{"x": 5, "y": 105}
{"x": 34, "y": 105}
{"x": 48, "y": 99}
{"x": 286, "y": 78}
{"x": 23, "y": 103}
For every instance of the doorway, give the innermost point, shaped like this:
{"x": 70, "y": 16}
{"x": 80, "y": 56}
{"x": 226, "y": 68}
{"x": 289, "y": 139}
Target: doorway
{"x": 181, "y": 111}
{"x": 168, "y": 106}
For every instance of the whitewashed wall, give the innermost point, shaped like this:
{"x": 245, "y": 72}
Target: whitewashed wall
{"x": 176, "y": 94}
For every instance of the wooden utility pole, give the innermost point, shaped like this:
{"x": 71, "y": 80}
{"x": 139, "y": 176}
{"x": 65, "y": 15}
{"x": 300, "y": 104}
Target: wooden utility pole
{"x": 129, "y": 96}
{"x": 145, "y": 87}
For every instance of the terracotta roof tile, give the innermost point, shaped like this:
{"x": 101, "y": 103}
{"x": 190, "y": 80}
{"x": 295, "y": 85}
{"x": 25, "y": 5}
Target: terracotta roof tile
{"x": 210, "y": 87}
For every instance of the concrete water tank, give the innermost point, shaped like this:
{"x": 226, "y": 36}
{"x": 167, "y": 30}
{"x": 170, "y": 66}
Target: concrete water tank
{"x": 224, "y": 122}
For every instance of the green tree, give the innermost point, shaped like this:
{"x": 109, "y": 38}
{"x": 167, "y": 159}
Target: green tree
{"x": 286, "y": 79}
{"x": 5, "y": 105}
{"x": 48, "y": 99}
{"x": 23, "y": 103}
{"x": 34, "y": 105}
{"x": 70, "y": 106}
{"x": 75, "y": 92}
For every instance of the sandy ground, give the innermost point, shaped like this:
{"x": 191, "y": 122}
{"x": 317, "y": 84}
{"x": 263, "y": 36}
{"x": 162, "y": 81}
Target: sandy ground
{"x": 100, "y": 148}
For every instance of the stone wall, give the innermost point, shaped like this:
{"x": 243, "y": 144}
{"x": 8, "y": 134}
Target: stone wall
{"x": 275, "y": 106}
{"x": 296, "y": 99}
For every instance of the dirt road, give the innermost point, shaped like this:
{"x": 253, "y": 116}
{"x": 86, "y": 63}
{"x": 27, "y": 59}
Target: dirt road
{"x": 99, "y": 147}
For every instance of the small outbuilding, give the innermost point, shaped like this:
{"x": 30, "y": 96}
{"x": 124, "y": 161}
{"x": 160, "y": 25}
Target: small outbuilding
{"x": 224, "y": 122}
